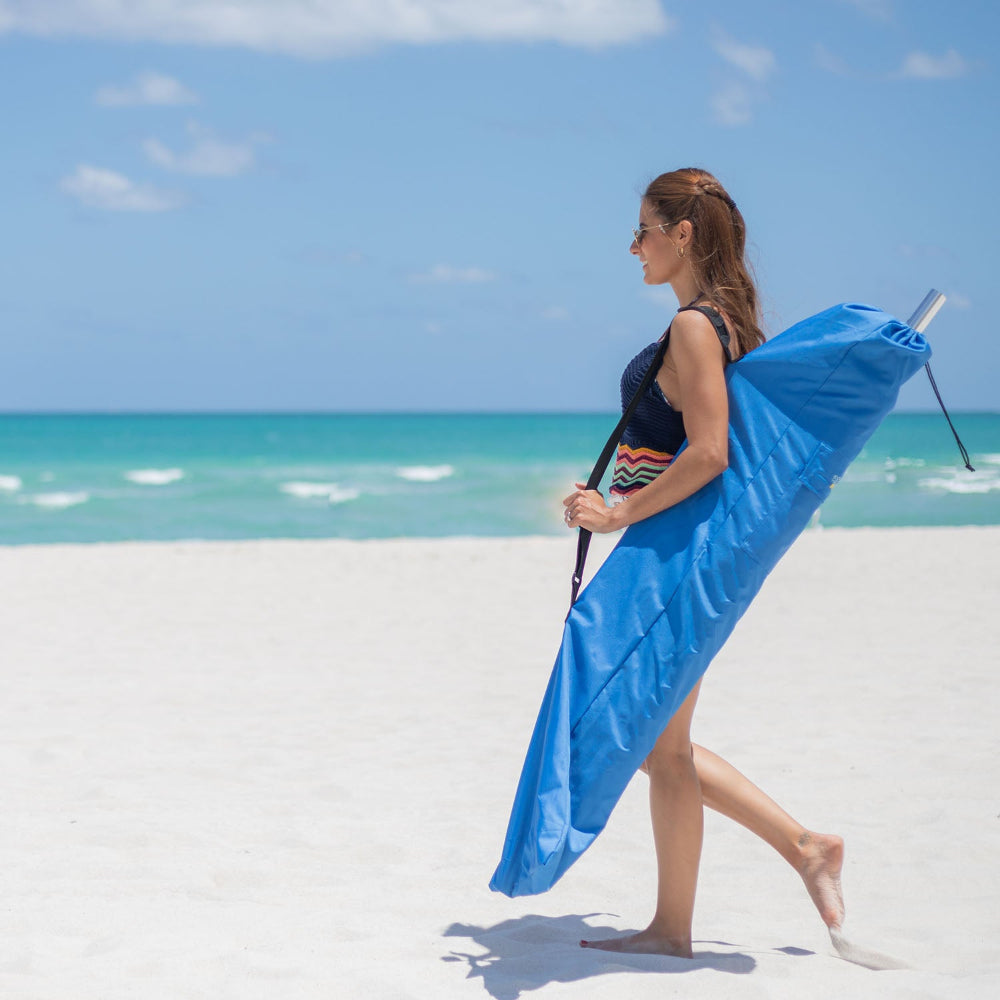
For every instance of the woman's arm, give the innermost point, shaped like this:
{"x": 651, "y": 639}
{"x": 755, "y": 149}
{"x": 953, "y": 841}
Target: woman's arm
{"x": 698, "y": 359}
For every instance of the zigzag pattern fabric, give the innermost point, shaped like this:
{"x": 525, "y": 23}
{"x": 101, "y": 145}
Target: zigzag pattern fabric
{"x": 635, "y": 468}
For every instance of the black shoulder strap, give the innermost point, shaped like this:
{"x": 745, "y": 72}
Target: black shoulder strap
{"x": 715, "y": 318}
{"x": 601, "y": 466}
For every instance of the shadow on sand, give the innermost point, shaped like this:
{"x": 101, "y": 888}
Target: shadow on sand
{"x": 532, "y": 951}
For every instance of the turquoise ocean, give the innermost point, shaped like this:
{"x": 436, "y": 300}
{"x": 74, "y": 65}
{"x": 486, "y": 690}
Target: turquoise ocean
{"x": 102, "y": 478}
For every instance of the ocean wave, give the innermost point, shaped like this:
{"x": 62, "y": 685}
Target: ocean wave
{"x": 332, "y": 492}
{"x": 425, "y": 473}
{"x": 864, "y": 474}
{"x": 57, "y": 501}
{"x": 905, "y": 463}
{"x": 154, "y": 477}
{"x": 988, "y": 459}
{"x": 10, "y": 484}
{"x": 962, "y": 481}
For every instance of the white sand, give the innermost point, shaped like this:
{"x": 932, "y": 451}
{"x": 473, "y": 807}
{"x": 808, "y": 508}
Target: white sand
{"x": 283, "y": 770}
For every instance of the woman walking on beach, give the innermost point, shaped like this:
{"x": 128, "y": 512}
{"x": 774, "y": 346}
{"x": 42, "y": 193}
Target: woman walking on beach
{"x": 692, "y": 236}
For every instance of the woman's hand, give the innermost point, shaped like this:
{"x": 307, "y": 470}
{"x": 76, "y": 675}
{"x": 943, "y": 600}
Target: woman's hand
{"x": 587, "y": 509}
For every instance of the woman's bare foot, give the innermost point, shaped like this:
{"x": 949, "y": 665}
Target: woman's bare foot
{"x": 647, "y": 942}
{"x": 822, "y": 857}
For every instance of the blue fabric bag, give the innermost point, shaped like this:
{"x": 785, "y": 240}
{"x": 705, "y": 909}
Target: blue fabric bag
{"x": 801, "y": 407}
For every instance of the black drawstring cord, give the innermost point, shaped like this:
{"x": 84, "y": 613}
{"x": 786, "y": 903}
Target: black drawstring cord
{"x": 958, "y": 440}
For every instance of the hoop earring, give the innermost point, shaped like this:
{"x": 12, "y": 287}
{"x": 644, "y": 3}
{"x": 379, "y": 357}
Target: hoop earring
{"x": 680, "y": 252}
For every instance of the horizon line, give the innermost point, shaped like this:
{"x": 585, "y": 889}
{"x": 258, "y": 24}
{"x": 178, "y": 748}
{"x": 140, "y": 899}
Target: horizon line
{"x": 387, "y": 413}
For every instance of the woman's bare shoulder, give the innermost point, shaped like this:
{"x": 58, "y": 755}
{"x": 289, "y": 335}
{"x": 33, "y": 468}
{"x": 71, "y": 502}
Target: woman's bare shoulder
{"x": 693, "y": 337}
{"x": 691, "y": 323}
{"x": 705, "y": 326}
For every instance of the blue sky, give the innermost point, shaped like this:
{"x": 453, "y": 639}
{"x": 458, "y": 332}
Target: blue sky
{"x": 426, "y": 204}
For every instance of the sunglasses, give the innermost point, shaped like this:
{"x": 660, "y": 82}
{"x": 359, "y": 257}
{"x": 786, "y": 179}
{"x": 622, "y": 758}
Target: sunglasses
{"x": 640, "y": 233}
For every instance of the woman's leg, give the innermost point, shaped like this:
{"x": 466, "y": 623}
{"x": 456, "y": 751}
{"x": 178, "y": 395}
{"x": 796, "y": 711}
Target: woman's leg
{"x": 675, "y": 805}
{"x": 817, "y": 857}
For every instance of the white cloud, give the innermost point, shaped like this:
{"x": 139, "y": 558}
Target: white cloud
{"x": 831, "y": 62}
{"x": 207, "y": 157}
{"x": 100, "y": 188}
{"x": 756, "y": 61}
{"x": 555, "y": 313}
{"x": 921, "y": 66}
{"x": 660, "y": 294}
{"x": 733, "y": 105}
{"x": 443, "y": 274}
{"x": 146, "y": 88}
{"x": 332, "y": 27}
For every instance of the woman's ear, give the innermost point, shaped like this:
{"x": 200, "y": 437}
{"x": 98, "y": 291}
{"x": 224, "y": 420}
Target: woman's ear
{"x": 684, "y": 231}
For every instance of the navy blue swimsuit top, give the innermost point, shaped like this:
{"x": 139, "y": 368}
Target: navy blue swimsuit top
{"x": 656, "y": 431}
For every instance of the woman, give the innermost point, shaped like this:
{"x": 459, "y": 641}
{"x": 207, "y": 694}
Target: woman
{"x": 692, "y": 236}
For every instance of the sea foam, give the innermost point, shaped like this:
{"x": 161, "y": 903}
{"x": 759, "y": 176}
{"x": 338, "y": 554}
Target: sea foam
{"x": 10, "y": 484}
{"x": 57, "y": 501}
{"x": 332, "y": 492}
{"x": 154, "y": 477}
{"x": 425, "y": 473}
{"x": 963, "y": 482}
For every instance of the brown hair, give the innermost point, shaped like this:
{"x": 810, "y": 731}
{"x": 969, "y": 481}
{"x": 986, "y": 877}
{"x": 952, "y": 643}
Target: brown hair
{"x": 718, "y": 246}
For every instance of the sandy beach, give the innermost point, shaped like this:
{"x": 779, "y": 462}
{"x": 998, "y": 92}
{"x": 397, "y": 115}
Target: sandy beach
{"x": 284, "y": 769}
